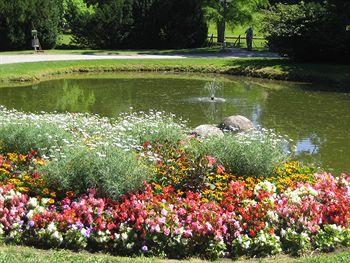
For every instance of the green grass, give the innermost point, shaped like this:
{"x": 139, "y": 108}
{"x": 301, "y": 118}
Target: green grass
{"x": 14, "y": 254}
{"x": 279, "y": 69}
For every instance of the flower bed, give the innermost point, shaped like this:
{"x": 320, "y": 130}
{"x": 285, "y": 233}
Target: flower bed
{"x": 146, "y": 187}
{"x": 253, "y": 221}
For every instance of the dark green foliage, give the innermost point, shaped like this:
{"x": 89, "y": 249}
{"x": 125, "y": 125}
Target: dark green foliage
{"x": 308, "y": 32}
{"x": 105, "y": 25}
{"x": 19, "y": 17}
{"x": 138, "y": 24}
{"x": 173, "y": 24}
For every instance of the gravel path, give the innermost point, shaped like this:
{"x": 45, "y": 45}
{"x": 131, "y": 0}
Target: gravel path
{"x": 234, "y": 53}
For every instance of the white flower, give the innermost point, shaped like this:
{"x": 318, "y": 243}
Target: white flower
{"x": 124, "y": 236}
{"x": 33, "y": 202}
{"x": 57, "y": 236}
{"x": 51, "y": 227}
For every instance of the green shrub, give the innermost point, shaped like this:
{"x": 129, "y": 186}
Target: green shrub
{"x": 247, "y": 154}
{"x": 21, "y": 137}
{"x": 308, "y": 31}
{"x": 155, "y": 126}
{"x": 111, "y": 171}
{"x": 330, "y": 237}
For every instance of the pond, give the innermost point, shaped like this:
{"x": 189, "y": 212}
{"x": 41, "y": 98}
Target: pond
{"x": 317, "y": 121}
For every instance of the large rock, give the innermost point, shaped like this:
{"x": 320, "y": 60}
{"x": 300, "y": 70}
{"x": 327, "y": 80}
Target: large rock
{"x": 236, "y": 123}
{"x": 207, "y": 130}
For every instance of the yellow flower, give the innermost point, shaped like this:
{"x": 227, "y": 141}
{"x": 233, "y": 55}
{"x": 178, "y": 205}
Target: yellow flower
{"x": 12, "y": 156}
{"x": 15, "y": 181}
{"x": 22, "y": 158}
{"x": 26, "y": 177}
{"x": 40, "y": 162}
{"x": 23, "y": 189}
{"x": 4, "y": 171}
{"x": 46, "y": 191}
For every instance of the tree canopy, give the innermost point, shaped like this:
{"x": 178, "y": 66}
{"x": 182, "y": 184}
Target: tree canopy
{"x": 19, "y": 17}
{"x": 137, "y": 24}
{"x": 309, "y": 31}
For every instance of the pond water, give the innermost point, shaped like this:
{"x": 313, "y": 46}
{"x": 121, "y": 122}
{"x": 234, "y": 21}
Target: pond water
{"x": 317, "y": 121}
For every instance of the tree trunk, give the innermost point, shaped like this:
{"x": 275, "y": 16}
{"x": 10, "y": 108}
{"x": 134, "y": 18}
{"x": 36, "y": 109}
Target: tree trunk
{"x": 221, "y": 27}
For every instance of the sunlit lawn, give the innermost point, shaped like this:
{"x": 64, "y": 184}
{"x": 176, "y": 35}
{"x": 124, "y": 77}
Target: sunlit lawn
{"x": 14, "y": 254}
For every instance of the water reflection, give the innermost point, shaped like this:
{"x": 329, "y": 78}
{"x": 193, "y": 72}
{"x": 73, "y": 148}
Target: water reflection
{"x": 318, "y": 122}
{"x": 307, "y": 146}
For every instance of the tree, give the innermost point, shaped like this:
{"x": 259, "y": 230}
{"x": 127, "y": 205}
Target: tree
{"x": 138, "y": 23}
{"x": 100, "y": 24}
{"x": 308, "y": 31}
{"x": 19, "y": 17}
{"x": 231, "y": 12}
{"x": 171, "y": 24}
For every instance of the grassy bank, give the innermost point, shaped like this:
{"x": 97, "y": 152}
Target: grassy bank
{"x": 279, "y": 69}
{"x": 11, "y": 254}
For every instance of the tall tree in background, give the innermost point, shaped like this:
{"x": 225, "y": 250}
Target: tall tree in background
{"x": 231, "y": 12}
{"x": 18, "y": 17}
{"x": 172, "y": 24}
{"x": 137, "y": 23}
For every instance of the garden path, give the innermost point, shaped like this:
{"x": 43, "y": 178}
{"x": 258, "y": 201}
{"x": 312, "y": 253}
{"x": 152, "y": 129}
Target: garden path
{"x": 233, "y": 53}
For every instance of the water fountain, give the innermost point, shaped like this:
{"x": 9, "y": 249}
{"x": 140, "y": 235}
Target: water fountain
{"x": 212, "y": 88}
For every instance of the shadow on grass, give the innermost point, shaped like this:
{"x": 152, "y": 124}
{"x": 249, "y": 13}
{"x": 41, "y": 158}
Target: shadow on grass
{"x": 324, "y": 76}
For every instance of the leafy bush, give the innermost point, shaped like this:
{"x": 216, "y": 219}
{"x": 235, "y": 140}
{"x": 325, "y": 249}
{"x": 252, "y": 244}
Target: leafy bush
{"x": 112, "y": 172}
{"x": 308, "y": 31}
{"x": 248, "y": 154}
{"x": 19, "y": 17}
{"x": 22, "y": 136}
{"x": 154, "y": 126}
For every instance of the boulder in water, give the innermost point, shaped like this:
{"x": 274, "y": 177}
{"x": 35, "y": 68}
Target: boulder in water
{"x": 236, "y": 123}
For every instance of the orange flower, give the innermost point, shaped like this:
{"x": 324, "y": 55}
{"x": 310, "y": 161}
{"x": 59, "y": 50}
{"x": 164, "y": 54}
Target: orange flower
{"x": 70, "y": 194}
{"x": 220, "y": 169}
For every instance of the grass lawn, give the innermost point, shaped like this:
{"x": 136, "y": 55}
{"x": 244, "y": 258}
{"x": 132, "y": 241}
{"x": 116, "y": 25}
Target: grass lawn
{"x": 279, "y": 69}
{"x": 12, "y": 254}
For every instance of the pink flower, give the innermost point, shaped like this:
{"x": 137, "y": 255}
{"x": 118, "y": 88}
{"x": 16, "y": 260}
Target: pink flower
{"x": 161, "y": 220}
{"x": 188, "y": 233}
{"x": 166, "y": 231}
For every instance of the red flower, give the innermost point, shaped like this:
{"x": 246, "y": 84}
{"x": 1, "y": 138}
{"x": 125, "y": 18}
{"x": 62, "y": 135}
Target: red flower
{"x": 252, "y": 233}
